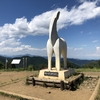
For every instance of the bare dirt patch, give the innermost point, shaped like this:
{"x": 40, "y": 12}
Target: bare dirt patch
{"x": 83, "y": 93}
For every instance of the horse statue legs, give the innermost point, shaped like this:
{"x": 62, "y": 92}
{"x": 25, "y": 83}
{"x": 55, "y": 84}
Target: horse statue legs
{"x": 50, "y": 53}
{"x": 58, "y": 49}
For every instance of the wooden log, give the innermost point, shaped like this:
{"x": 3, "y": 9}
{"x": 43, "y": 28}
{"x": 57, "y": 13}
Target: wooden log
{"x": 46, "y": 80}
{"x": 62, "y": 85}
{"x": 29, "y": 82}
{"x": 39, "y": 83}
{"x": 33, "y": 81}
{"x": 82, "y": 76}
{"x": 44, "y": 84}
{"x": 47, "y": 84}
{"x": 71, "y": 83}
{"x": 67, "y": 85}
{"x": 53, "y": 85}
{"x": 29, "y": 79}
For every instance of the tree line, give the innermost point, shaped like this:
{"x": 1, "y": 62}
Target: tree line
{"x": 95, "y": 64}
{"x": 36, "y": 65}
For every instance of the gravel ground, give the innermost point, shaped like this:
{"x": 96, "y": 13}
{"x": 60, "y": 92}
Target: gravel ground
{"x": 83, "y": 93}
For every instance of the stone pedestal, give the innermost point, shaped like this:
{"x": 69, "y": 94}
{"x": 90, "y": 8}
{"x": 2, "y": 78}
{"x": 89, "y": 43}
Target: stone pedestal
{"x": 54, "y": 74}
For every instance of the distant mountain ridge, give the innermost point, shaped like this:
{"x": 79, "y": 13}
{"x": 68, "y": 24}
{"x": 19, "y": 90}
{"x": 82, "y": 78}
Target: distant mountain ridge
{"x": 41, "y": 60}
{"x": 3, "y": 59}
{"x": 80, "y": 62}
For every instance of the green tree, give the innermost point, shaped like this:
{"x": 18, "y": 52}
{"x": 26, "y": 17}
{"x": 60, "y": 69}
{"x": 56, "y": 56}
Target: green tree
{"x": 1, "y": 65}
{"x": 91, "y": 65}
{"x": 31, "y": 67}
{"x": 98, "y": 62}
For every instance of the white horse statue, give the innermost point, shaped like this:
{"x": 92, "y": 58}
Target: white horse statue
{"x": 55, "y": 44}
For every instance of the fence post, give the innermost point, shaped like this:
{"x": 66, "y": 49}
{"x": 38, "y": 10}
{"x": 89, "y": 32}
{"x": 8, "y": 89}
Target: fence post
{"x": 33, "y": 81}
{"x": 62, "y": 85}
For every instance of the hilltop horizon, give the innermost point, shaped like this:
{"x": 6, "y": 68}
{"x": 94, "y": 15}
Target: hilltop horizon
{"x": 13, "y": 56}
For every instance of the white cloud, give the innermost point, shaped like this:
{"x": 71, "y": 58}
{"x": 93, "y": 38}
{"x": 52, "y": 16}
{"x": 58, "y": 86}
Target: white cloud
{"x": 98, "y": 49}
{"x": 11, "y": 34}
{"x": 78, "y": 49}
{"x": 22, "y": 49}
{"x": 81, "y": 1}
{"x": 18, "y": 29}
{"x": 39, "y": 24}
{"x": 75, "y": 53}
{"x": 54, "y": 6}
{"x": 96, "y": 53}
{"x": 95, "y": 41}
{"x": 9, "y": 42}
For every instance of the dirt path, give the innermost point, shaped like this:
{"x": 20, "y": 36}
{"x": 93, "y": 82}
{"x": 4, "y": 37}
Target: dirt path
{"x": 43, "y": 93}
{"x": 92, "y": 73}
{"x": 83, "y": 93}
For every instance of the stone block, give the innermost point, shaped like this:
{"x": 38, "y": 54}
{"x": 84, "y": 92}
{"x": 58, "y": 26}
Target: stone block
{"x": 55, "y": 74}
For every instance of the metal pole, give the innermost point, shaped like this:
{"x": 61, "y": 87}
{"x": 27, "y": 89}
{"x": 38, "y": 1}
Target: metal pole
{"x": 6, "y": 63}
{"x": 26, "y": 63}
{"x": 23, "y": 63}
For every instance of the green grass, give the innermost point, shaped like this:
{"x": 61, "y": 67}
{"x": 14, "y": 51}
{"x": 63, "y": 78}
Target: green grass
{"x": 98, "y": 95}
{"x": 13, "y": 96}
{"x": 35, "y": 72}
{"x": 9, "y": 70}
{"x": 87, "y": 70}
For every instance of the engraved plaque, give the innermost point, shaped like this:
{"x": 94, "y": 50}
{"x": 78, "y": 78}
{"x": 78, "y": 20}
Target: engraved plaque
{"x": 47, "y": 73}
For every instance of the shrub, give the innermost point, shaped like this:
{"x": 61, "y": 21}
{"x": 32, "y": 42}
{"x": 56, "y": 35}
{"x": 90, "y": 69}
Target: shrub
{"x": 1, "y": 65}
{"x": 30, "y": 67}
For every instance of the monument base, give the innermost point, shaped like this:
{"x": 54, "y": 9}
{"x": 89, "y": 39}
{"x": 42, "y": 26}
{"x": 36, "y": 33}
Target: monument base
{"x": 54, "y": 74}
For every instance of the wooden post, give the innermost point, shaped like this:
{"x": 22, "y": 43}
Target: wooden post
{"x": 62, "y": 85}
{"x": 33, "y": 81}
{"x": 82, "y": 76}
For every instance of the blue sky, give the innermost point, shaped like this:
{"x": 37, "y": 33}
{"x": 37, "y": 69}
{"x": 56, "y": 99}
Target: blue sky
{"x": 24, "y": 27}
